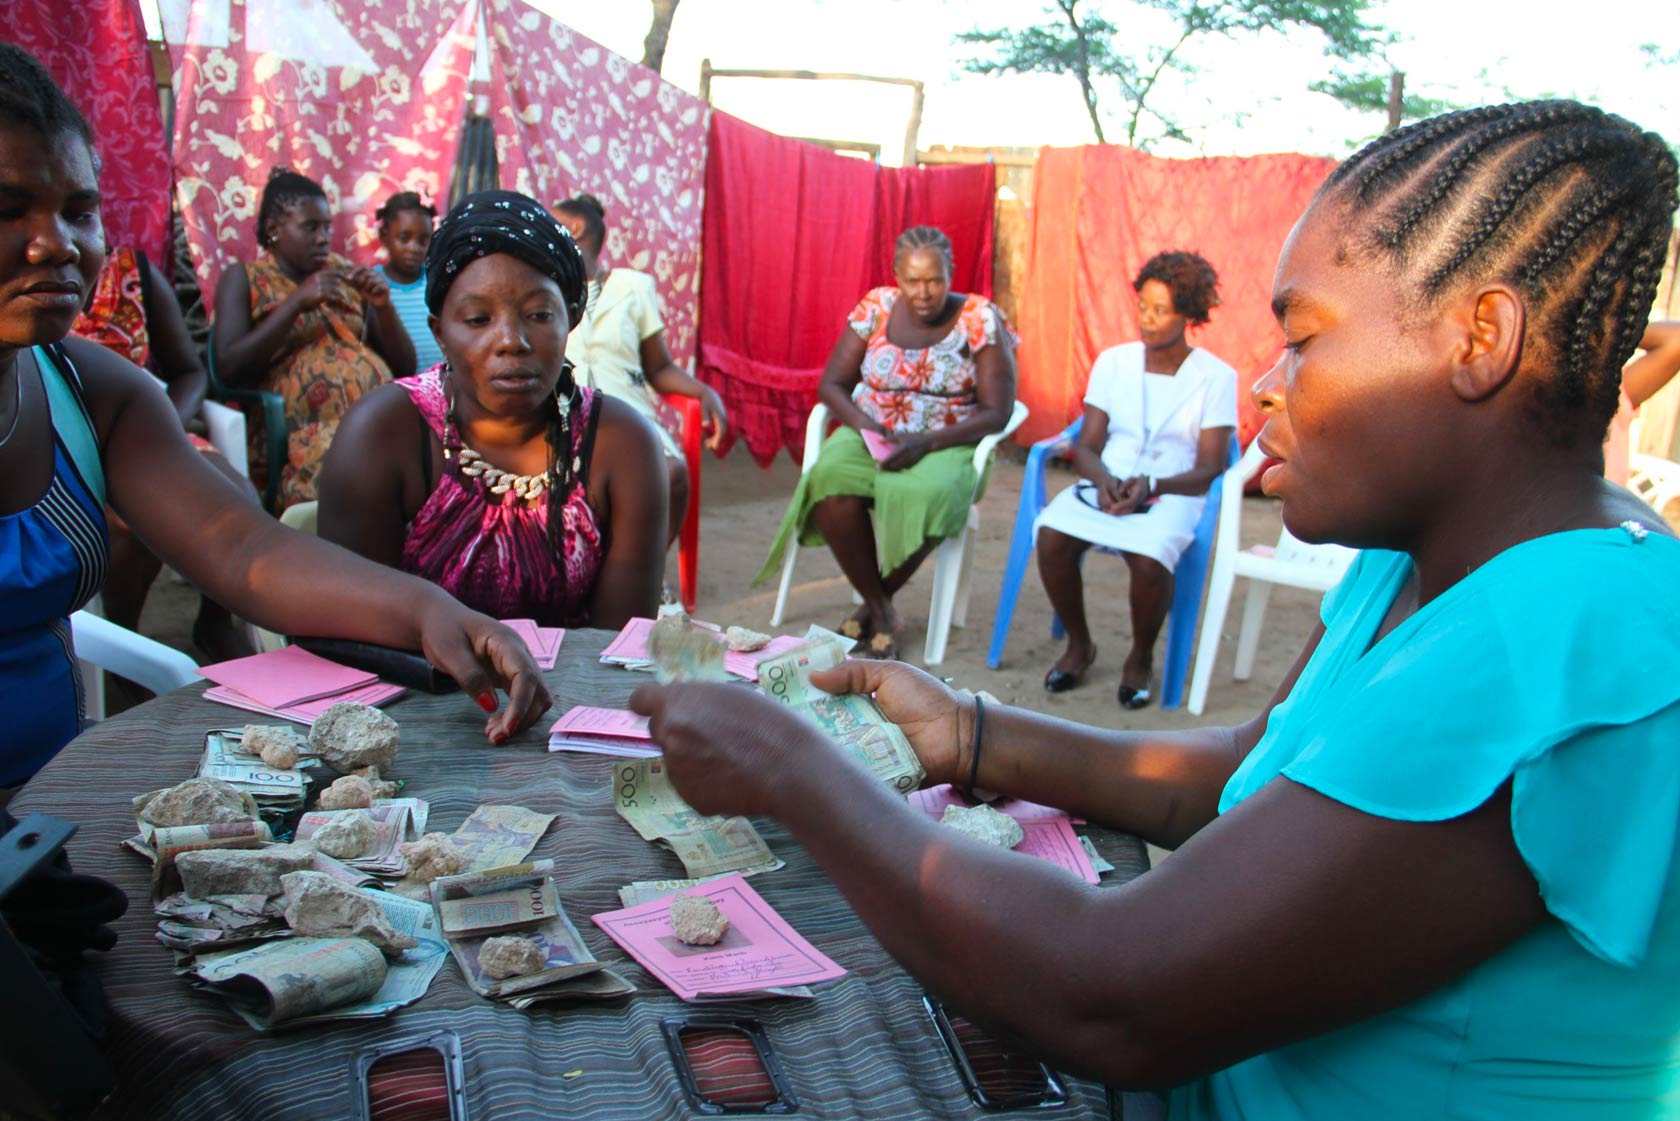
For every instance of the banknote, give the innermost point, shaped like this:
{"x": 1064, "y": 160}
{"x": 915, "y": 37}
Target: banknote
{"x": 390, "y": 826}
{"x": 682, "y": 651}
{"x": 520, "y": 899}
{"x": 602, "y": 984}
{"x": 409, "y": 976}
{"x": 283, "y": 980}
{"x": 707, "y": 846}
{"x": 224, "y": 759}
{"x": 497, "y": 900}
{"x": 786, "y": 677}
{"x": 498, "y": 836}
{"x": 1098, "y": 864}
{"x": 856, "y": 724}
{"x": 164, "y": 845}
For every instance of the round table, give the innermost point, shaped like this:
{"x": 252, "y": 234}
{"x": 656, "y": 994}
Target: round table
{"x": 865, "y": 1047}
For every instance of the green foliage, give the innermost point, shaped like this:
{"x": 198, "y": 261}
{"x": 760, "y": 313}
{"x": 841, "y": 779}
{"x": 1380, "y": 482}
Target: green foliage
{"x": 1369, "y": 93}
{"x": 1083, "y": 43}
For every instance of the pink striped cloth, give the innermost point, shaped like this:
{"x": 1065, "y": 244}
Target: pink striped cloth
{"x": 493, "y": 553}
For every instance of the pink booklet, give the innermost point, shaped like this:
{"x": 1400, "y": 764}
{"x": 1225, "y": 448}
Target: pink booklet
{"x": 879, "y": 446}
{"x": 631, "y": 643}
{"x": 1048, "y": 832}
{"x": 602, "y": 731}
{"x": 612, "y": 723}
{"x": 759, "y": 951}
{"x": 543, "y": 642}
{"x": 290, "y": 675}
{"x": 306, "y": 712}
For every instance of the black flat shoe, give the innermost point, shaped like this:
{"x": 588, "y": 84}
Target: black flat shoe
{"x": 1060, "y": 681}
{"x": 1133, "y": 699}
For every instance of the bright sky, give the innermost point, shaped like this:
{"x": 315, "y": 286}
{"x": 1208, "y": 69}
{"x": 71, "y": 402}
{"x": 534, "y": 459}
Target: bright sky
{"x": 1247, "y": 97}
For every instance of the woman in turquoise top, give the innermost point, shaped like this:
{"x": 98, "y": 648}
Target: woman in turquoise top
{"x": 81, "y": 427}
{"x": 1439, "y": 875}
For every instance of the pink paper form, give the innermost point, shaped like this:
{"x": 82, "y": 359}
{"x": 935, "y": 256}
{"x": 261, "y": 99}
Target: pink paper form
{"x": 288, "y": 676}
{"x": 759, "y": 951}
{"x": 306, "y": 712}
{"x": 1048, "y": 832}
{"x": 614, "y": 723}
{"x": 543, "y": 642}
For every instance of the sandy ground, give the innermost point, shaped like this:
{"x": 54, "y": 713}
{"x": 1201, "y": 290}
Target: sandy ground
{"x": 743, "y": 504}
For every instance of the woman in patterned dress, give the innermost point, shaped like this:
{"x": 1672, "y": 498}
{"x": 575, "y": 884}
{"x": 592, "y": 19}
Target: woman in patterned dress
{"x": 938, "y": 374}
{"x": 81, "y": 427}
{"x": 305, "y": 323}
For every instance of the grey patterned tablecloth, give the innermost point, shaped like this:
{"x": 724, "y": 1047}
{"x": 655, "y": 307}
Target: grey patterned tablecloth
{"x": 864, "y": 1048}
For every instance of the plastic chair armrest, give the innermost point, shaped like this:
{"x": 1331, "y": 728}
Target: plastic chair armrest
{"x": 815, "y": 429}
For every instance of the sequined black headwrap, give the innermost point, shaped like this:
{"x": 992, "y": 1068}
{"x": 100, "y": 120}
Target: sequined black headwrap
{"x": 504, "y": 222}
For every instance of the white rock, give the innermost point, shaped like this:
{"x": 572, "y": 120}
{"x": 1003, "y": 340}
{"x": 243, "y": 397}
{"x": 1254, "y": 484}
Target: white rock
{"x": 696, "y": 920}
{"x": 380, "y": 788}
{"x": 745, "y": 640}
{"x": 511, "y": 956}
{"x": 432, "y": 856}
{"x": 209, "y": 872}
{"x": 351, "y": 792}
{"x": 198, "y": 801}
{"x": 320, "y": 907}
{"x": 348, "y": 835}
{"x": 276, "y": 744}
{"x": 984, "y": 824}
{"x": 350, "y": 735}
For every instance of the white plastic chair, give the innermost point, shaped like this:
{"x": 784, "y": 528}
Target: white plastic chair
{"x": 1292, "y": 562}
{"x": 953, "y": 561}
{"x": 1654, "y": 479}
{"x": 226, "y": 433}
{"x": 149, "y": 664}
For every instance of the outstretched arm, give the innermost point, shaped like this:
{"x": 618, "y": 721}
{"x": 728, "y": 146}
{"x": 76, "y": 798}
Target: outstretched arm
{"x": 663, "y": 373}
{"x": 189, "y": 514}
{"x": 1286, "y": 917}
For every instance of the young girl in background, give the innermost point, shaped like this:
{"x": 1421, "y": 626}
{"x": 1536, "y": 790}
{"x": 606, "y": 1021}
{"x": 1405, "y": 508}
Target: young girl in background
{"x": 405, "y": 230}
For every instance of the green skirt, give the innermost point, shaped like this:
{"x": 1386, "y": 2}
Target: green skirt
{"x": 929, "y": 501}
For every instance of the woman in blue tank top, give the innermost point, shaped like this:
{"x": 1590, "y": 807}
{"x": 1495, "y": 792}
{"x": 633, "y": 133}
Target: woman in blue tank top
{"x": 80, "y": 427}
{"x": 1438, "y": 876}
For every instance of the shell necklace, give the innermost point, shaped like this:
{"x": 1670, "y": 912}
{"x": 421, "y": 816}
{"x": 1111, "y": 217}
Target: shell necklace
{"x": 499, "y": 482}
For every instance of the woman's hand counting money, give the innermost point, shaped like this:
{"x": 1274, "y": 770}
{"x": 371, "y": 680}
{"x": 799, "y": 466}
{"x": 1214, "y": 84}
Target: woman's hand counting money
{"x": 730, "y": 750}
{"x": 936, "y": 719}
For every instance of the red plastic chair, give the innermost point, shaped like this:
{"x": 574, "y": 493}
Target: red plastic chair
{"x": 688, "y": 539}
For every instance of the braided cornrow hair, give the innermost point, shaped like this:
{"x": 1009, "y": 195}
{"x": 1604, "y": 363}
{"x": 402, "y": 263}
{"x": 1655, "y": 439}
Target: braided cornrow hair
{"x": 923, "y": 237}
{"x": 284, "y": 188}
{"x": 29, "y": 97}
{"x": 1569, "y": 204}
{"x": 1194, "y": 284}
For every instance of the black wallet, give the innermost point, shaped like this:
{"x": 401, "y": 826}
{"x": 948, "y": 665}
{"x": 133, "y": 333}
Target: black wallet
{"x": 400, "y": 667}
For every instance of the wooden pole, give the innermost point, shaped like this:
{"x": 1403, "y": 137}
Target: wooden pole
{"x": 706, "y": 80}
{"x": 912, "y": 130}
{"x": 1396, "y": 98}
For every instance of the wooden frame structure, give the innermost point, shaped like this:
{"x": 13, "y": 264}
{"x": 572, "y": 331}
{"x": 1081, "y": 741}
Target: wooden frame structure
{"x": 911, "y": 131}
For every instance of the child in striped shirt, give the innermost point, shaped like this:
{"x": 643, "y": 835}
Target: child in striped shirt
{"x": 405, "y": 230}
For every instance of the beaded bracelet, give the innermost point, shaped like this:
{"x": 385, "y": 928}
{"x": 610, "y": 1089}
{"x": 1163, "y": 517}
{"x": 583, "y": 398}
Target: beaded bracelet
{"x": 974, "y": 749}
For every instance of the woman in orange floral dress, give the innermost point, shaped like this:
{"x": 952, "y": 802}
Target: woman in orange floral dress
{"x": 938, "y": 374}
{"x": 305, "y": 323}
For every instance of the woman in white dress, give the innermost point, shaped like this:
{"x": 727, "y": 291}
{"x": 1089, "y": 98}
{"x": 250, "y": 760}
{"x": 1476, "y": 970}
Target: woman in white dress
{"x": 619, "y": 346}
{"x": 1159, "y": 415}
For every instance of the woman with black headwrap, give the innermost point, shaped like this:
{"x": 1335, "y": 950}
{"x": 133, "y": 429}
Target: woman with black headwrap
{"x": 497, "y": 476}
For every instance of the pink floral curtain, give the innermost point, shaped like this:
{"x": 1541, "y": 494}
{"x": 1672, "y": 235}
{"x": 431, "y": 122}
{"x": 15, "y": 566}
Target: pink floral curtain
{"x": 572, "y": 116}
{"x": 96, "y": 51}
{"x": 364, "y": 96}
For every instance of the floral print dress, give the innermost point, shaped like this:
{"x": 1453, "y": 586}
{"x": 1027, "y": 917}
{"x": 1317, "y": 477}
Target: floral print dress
{"x": 320, "y": 370}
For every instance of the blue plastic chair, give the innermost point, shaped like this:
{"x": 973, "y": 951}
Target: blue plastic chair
{"x": 1188, "y": 578}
